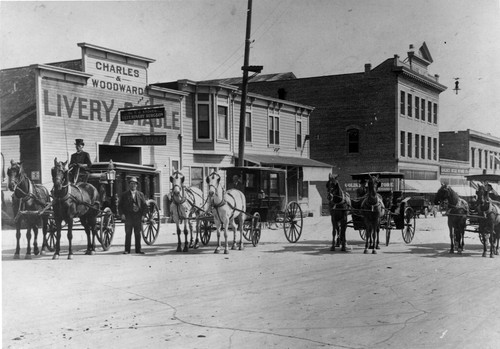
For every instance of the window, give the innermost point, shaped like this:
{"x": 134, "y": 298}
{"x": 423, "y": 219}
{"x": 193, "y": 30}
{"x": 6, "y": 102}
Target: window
{"x": 422, "y": 110}
{"x": 417, "y": 107}
{"x": 402, "y": 103}
{"x": 417, "y": 146}
{"x": 299, "y": 134}
{"x": 480, "y": 157}
{"x": 410, "y": 98}
{"x": 203, "y": 117}
{"x": 352, "y": 141}
{"x": 402, "y": 143}
{"x": 434, "y": 148}
{"x": 472, "y": 157}
{"x": 197, "y": 177}
{"x": 429, "y": 111}
{"x": 274, "y": 130}
{"x": 486, "y": 159}
{"x": 409, "y": 144}
{"x": 422, "y": 147}
{"x": 435, "y": 113}
{"x": 429, "y": 148}
{"x": 248, "y": 127}
{"x": 222, "y": 123}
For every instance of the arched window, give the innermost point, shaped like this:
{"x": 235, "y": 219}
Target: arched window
{"x": 352, "y": 141}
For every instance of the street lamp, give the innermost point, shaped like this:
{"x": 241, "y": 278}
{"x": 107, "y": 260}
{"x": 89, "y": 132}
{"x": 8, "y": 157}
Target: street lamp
{"x": 111, "y": 175}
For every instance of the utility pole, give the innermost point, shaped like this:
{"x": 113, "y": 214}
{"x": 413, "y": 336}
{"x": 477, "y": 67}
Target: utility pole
{"x": 246, "y": 68}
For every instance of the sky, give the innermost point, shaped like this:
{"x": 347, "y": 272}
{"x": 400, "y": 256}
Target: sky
{"x": 204, "y": 39}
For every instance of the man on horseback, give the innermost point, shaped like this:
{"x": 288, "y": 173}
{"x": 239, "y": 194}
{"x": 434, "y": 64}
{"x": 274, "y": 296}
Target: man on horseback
{"x": 79, "y": 163}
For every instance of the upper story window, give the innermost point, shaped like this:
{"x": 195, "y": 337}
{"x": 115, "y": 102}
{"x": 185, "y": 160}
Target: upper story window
{"x": 402, "y": 103}
{"x": 274, "y": 129}
{"x": 417, "y": 107}
{"x": 299, "y": 134}
{"x": 402, "y": 144}
{"x": 222, "y": 122}
{"x": 434, "y": 148}
{"x": 429, "y": 111}
{"x": 435, "y": 113}
{"x": 417, "y": 146}
{"x": 472, "y": 157}
{"x": 410, "y": 105}
{"x": 422, "y": 147}
{"x": 203, "y": 124}
{"x": 422, "y": 110}
{"x": 429, "y": 148}
{"x": 409, "y": 145}
{"x": 352, "y": 141}
{"x": 248, "y": 127}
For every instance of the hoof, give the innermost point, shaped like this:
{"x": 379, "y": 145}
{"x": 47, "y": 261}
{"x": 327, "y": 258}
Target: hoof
{"x": 43, "y": 253}
{"x": 56, "y": 256}
{"x": 233, "y": 247}
{"x": 365, "y": 251}
{"x": 92, "y": 253}
{"x": 451, "y": 251}
{"x": 343, "y": 249}
{"x": 36, "y": 251}
{"x": 226, "y": 252}
{"x": 332, "y": 248}
{"x": 191, "y": 245}
{"x": 484, "y": 254}
{"x": 196, "y": 246}
{"x": 217, "y": 251}
{"x": 28, "y": 256}
{"x": 374, "y": 252}
{"x": 241, "y": 248}
{"x": 378, "y": 247}
{"x": 492, "y": 256}
{"x": 70, "y": 256}
{"x": 179, "y": 249}
{"x": 16, "y": 256}
{"x": 186, "y": 249}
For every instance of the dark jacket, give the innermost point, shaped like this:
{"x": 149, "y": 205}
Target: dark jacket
{"x": 80, "y": 158}
{"x": 126, "y": 204}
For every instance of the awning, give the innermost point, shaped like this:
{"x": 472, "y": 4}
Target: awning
{"x": 422, "y": 186}
{"x": 463, "y": 190}
{"x": 313, "y": 170}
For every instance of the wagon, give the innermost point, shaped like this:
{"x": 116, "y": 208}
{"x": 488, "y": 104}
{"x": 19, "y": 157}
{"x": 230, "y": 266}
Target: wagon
{"x": 266, "y": 204}
{"x": 110, "y": 180}
{"x": 398, "y": 214}
{"x": 422, "y": 206}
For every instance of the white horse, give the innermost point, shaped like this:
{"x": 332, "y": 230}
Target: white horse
{"x": 226, "y": 206}
{"x": 186, "y": 205}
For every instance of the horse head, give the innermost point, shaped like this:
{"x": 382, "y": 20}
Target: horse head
{"x": 15, "y": 173}
{"x": 213, "y": 181}
{"x": 60, "y": 174}
{"x": 483, "y": 197}
{"x": 442, "y": 194}
{"x": 373, "y": 184}
{"x": 177, "y": 180}
{"x": 334, "y": 192}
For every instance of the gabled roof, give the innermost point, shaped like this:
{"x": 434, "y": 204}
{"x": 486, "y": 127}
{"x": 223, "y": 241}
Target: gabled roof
{"x": 425, "y": 53}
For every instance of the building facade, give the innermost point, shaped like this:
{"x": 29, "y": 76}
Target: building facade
{"x": 45, "y": 107}
{"x": 381, "y": 119}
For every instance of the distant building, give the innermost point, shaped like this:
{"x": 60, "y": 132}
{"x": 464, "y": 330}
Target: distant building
{"x": 381, "y": 119}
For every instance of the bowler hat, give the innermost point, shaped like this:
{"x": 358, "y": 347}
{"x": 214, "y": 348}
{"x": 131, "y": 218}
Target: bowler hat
{"x": 133, "y": 179}
{"x": 79, "y": 141}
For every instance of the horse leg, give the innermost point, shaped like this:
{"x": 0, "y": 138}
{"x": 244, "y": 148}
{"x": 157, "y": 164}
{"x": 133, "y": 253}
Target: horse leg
{"x": 45, "y": 221}
{"x": 377, "y": 232}
{"x": 485, "y": 242}
{"x": 70, "y": 238}
{"x": 231, "y": 225}
{"x": 368, "y": 238}
{"x": 186, "y": 245}
{"x": 57, "y": 247}
{"x": 28, "y": 239}
{"x": 334, "y": 231}
{"x": 179, "y": 241}
{"x": 452, "y": 239}
{"x": 240, "y": 230}
{"x": 217, "y": 228}
{"x": 343, "y": 228}
{"x": 18, "y": 237}
{"x": 492, "y": 239}
{"x": 197, "y": 233}
{"x": 36, "y": 250}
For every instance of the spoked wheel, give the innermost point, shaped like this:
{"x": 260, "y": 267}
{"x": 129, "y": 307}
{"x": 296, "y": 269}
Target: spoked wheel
{"x": 292, "y": 222}
{"x": 107, "y": 228}
{"x": 247, "y": 229}
{"x": 51, "y": 234}
{"x": 151, "y": 223}
{"x": 362, "y": 233}
{"x": 410, "y": 221}
{"x": 256, "y": 229}
{"x": 205, "y": 231}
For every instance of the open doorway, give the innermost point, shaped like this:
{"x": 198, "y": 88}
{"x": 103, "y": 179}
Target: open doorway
{"x": 131, "y": 155}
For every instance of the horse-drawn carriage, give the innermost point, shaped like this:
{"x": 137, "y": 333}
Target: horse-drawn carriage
{"x": 397, "y": 213}
{"x": 265, "y": 202}
{"x": 94, "y": 203}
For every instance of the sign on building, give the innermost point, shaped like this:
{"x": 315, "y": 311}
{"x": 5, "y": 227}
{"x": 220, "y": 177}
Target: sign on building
{"x": 142, "y": 113}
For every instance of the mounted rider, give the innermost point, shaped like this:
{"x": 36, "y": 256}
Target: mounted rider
{"x": 79, "y": 163}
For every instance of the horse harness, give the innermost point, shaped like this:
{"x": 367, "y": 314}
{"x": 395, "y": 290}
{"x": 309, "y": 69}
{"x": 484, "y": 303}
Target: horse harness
{"x": 224, "y": 202}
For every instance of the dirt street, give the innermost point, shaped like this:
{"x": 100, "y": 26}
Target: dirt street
{"x": 275, "y": 295}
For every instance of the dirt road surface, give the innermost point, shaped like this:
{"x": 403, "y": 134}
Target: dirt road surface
{"x": 275, "y": 295}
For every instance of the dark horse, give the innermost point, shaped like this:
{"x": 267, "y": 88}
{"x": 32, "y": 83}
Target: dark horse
{"x": 490, "y": 224}
{"x": 70, "y": 201}
{"x": 372, "y": 209}
{"x": 457, "y": 216}
{"x": 339, "y": 203}
{"x": 29, "y": 197}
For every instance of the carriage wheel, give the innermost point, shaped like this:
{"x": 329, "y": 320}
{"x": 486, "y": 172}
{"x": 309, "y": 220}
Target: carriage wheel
{"x": 206, "y": 231}
{"x": 151, "y": 223}
{"x": 292, "y": 222}
{"x": 51, "y": 234}
{"x": 408, "y": 230}
{"x": 256, "y": 229}
{"x": 362, "y": 234}
{"x": 107, "y": 229}
{"x": 247, "y": 229}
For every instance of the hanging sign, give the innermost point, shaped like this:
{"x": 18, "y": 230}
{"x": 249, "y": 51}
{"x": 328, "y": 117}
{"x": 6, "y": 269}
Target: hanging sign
{"x": 143, "y": 140}
{"x": 142, "y": 113}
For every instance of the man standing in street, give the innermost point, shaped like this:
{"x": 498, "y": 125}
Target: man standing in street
{"x": 132, "y": 205}
{"x": 79, "y": 162}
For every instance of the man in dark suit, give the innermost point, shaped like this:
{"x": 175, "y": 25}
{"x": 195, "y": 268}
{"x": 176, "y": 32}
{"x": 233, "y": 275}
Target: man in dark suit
{"x": 132, "y": 205}
{"x": 79, "y": 163}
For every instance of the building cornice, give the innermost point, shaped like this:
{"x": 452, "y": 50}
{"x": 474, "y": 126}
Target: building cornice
{"x": 408, "y": 73}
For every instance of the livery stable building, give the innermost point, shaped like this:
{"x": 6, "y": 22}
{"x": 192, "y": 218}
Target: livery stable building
{"x": 149, "y": 130}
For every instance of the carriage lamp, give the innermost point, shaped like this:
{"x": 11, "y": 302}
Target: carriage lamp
{"x": 111, "y": 175}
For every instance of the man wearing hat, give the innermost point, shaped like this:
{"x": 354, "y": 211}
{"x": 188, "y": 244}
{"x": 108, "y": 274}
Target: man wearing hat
{"x": 79, "y": 162}
{"x": 132, "y": 206}
{"x": 361, "y": 191}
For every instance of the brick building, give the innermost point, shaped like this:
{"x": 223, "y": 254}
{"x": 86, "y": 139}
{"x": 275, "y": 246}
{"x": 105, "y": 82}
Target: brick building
{"x": 381, "y": 119}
